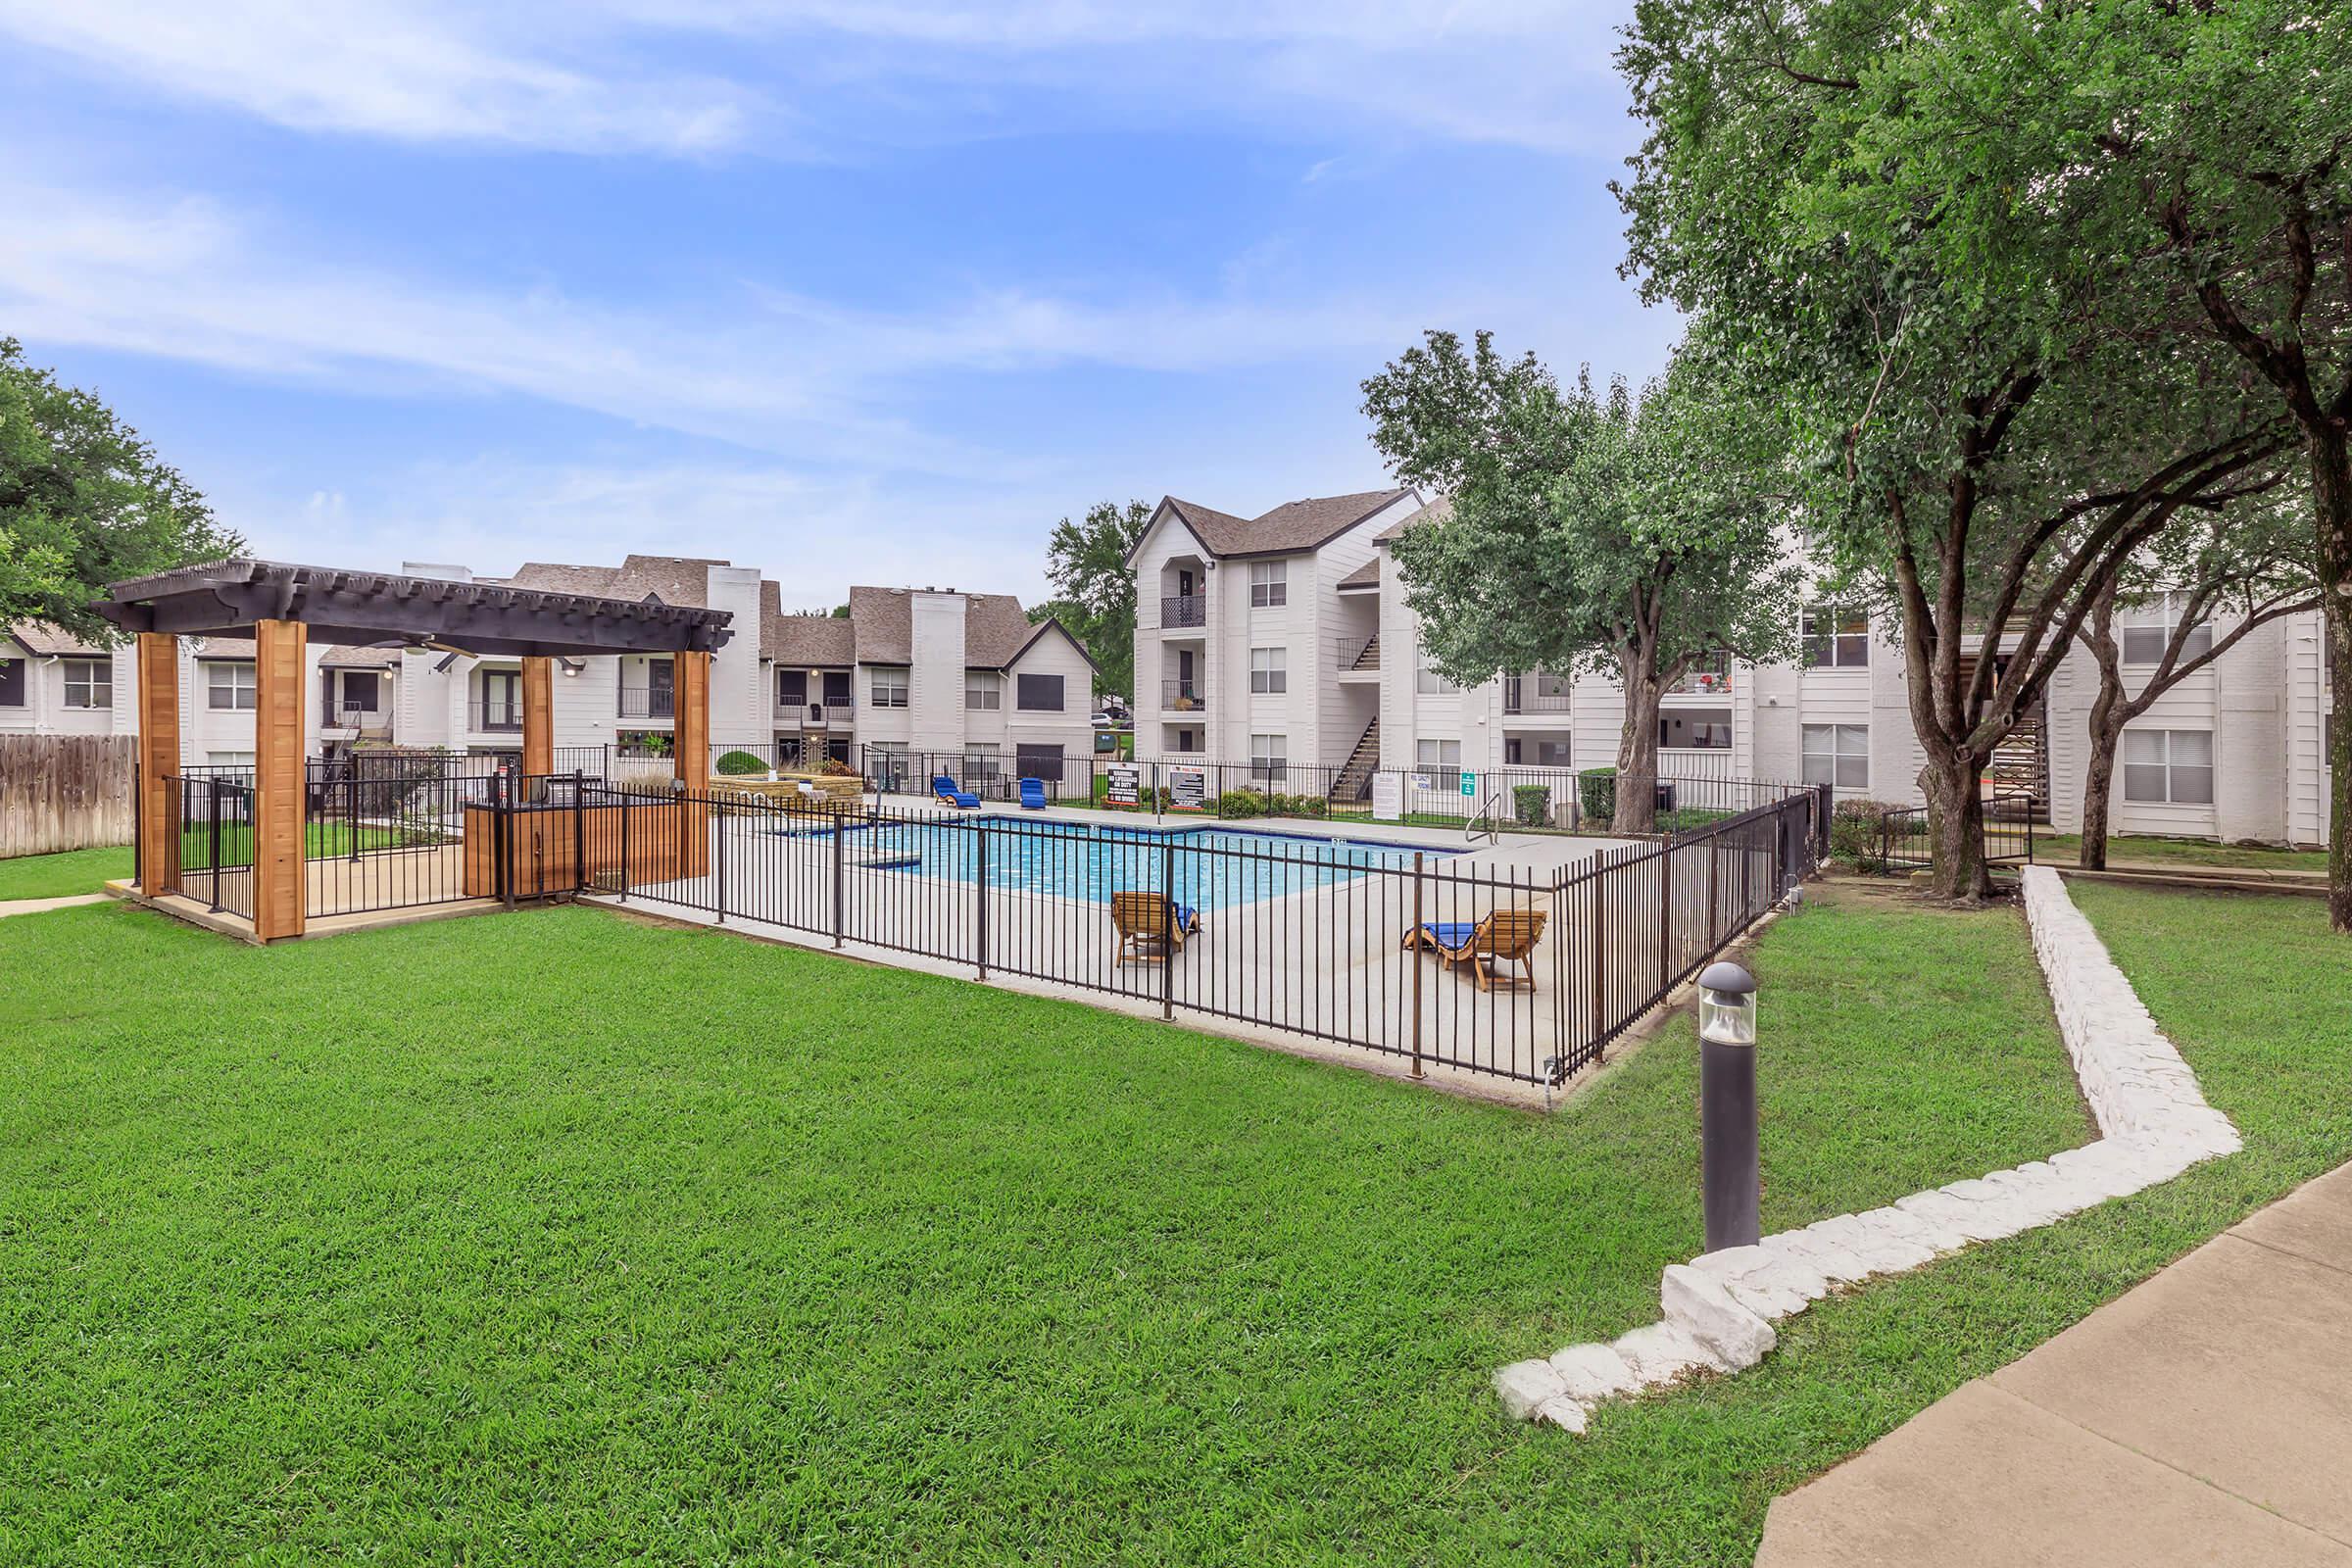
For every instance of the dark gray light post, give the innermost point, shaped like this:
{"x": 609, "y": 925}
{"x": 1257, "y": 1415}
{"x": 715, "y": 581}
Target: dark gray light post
{"x": 1729, "y": 1178}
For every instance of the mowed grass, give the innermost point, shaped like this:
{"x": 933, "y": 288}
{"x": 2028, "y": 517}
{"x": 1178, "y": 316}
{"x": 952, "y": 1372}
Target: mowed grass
{"x": 555, "y": 1238}
{"x": 62, "y": 876}
{"x": 2061, "y": 848}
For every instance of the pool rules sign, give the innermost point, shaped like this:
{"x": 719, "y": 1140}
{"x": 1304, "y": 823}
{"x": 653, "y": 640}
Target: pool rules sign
{"x": 1187, "y": 789}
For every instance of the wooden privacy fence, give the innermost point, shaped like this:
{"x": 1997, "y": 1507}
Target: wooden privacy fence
{"x": 64, "y": 792}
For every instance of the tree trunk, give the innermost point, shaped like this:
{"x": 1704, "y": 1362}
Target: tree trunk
{"x": 1953, "y": 781}
{"x": 2098, "y": 788}
{"x": 2332, "y": 506}
{"x": 1638, "y": 754}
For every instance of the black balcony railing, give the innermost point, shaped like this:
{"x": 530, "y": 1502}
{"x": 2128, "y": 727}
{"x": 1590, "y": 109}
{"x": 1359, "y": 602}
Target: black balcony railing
{"x": 1183, "y": 697}
{"x": 1183, "y": 610}
{"x": 1535, "y": 694}
{"x": 495, "y": 715}
{"x": 648, "y": 702}
{"x": 816, "y": 715}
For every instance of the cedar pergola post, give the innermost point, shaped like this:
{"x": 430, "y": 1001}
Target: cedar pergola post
{"x": 280, "y": 878}
{"x": 158, "y": 709}
{"x": 690, "y": 753}
{"x": 538, "y": 717}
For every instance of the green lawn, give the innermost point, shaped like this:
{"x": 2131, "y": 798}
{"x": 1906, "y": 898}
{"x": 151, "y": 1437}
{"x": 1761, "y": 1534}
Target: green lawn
{"x": 322, "y": 840}
{"x": 2060, "y": 849}
{"x": 553, "y": 1238}
{"x": 62, "y": 876}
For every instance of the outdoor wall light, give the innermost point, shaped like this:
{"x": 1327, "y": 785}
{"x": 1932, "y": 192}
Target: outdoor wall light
{"x": 1727, "y": 1006}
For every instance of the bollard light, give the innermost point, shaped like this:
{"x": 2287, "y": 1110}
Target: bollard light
{"x": 1730, "y": 1167}
{"x": 1727, "y": 1006}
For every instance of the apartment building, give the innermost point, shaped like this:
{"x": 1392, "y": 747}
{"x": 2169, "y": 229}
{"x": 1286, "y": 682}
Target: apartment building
{"x": 2235, "y": 751}
{"x": 909, "y": 671}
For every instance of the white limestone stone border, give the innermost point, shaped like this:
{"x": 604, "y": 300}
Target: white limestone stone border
{"x": 1718, "y": 1308}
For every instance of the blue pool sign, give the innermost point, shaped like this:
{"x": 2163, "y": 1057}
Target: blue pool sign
{"x": 1469, "y": 783}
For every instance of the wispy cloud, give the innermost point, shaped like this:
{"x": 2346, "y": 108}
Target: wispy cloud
{"x": 188, "y": 278}
{"x": 666, "y": 77}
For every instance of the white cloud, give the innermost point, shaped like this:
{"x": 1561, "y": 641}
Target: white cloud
{"x": 188, "y": 279}
{"x": 384, "y": 68}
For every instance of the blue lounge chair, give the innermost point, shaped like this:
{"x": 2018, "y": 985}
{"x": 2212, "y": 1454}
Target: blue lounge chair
{"x": 1033, "y": 794}
{"x": 945, "y": 788}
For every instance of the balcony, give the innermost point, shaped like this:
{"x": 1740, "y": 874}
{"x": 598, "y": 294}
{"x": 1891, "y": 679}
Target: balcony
{"x": 1183, "y": 610}
{"x": 496, "y": 716}
{"x": 1353, "y": 655}
{"x": 1535, "y": 694}
{"x": 1183, "y": 697}
{"x": 817, "y": 715}
{"x": 648, "y": 702}
{"x": 1713, "y": 679}
{"x": 361, "y": 721}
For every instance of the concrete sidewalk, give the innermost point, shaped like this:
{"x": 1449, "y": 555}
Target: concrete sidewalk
{"x": 2205, "y": 1417}
{"x": 9, "y": 906}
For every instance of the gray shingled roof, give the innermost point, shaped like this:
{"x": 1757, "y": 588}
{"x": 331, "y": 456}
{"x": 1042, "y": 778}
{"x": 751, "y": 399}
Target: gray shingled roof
{"x": 681, "y": 580}
{"x": 995, "y": 627}
{"x": 1366, "y": 575}
{"x": 42, "y": 639}
{"x": 1292, "y": 528}
{"x": 347, "y": 656}
{"x": 816, "y": 642}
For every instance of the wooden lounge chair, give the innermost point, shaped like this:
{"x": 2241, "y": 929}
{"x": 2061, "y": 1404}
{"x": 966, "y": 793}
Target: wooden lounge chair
{"x": 1148, "y": 928}
{"x": 943, "y": 788}
{"x": 1507, "y": 936}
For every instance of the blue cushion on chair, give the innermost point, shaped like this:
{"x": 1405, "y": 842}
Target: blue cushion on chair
{"x": 1188, "y": 918}
{"x": 1452, "y": 935}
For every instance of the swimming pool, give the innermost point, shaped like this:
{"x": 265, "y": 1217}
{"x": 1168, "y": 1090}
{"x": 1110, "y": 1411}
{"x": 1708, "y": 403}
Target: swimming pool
{"x": 1213, "y": 867}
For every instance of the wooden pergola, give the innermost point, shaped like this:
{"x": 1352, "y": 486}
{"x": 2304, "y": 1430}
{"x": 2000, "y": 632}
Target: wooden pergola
{"x": 278, "y": 605}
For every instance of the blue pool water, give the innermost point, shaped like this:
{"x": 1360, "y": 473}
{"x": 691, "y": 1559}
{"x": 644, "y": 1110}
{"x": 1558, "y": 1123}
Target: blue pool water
{"x": 1213, "y": 867}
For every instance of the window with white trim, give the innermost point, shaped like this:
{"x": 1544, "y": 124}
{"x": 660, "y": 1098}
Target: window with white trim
{"x": 229, "y": 758}
{"x": 982, "y": 760}
{"x": 2168, "y": 766}
{"x": 2147, "y": 630}
{"x": 983, "y": 691}
{"x": 1836, "y": 753}
{"x": 890, "y": 688}
{"x": 12, "y": 682}
{"x": 1269, "y": 755}
{"x": 1833, "y": 638}
{"x": 1429, "y": 683}
{"x": 1269, "y": 669}
{"x": 1269, "y": 584}
{"x": 89, "y": 683}
{"x": 1038, "y": 694}
{"x": 1438, "y": 753}
{"x": 230, "y": 688}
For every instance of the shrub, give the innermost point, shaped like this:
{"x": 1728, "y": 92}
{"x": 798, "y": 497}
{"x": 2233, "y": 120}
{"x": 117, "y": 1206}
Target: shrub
{"x": 1855, "y": 836}
{"x": 1241, "y": 802}
{"x": 740, "y": 763}
{"x": 1531, "y": 804}
{"x": 1597, "y": 792}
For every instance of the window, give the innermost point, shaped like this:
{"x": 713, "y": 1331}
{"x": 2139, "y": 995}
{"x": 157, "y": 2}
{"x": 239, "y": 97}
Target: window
{"x": 229, "y": 687}
{"x": 1038, "y": 694}
{"x": 359, "y": 691}
{"x": 12, "y": 683}
{"x": 1039, "y": 761}
{"x": 791, "y": 688}
{"x": 1695, "y": 733}
{"x": 2147, "y": 630}
{"x": 1429, "y": 683}
{"x": 89, "y": 683}
{"x": 229, "y": 758}
{"x": 1269, "y": 755}
{"x": 838, "y": 693}
{"x": 1269, "y": 584}
{"x": 1269, "y": 669}
{"x": 890, "y": 688}
{"x": 982, "y": 763}
{"x": 1837, "y": 753}
{"x": 983, "y": 691}
{"x": 1438, "y": 753}
{"x": 1834, "y": 639}
{"x": 2172, "y": 766}
{"x": 886, "y": 762}
{"x": 1535, "y": 751}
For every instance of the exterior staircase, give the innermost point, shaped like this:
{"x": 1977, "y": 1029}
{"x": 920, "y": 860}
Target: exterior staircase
{"x": 1354, "y": 781}
{"x": 1368, "y": 657}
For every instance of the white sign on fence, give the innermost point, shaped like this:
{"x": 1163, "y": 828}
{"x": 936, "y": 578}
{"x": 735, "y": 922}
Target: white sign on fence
{"x": 1387, "y": 797}
{"x": 1187, "y": 789}
{"x": 1124, "y": 783}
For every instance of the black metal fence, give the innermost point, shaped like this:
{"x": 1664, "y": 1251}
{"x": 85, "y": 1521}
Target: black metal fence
{"x": 1905, "y": 840}
{"x": 213, "y": 846}
{"x": 1518, "y": 968}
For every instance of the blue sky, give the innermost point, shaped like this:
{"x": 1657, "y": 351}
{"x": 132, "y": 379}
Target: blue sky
{"x": 850, "y": 291}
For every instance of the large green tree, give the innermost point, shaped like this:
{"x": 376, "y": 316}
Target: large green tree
{"x": 1991, "y": 449}
{"x": 84, "y": 501}
{"x": 1622, "y": 534}
{"x": 1093, "y": 591}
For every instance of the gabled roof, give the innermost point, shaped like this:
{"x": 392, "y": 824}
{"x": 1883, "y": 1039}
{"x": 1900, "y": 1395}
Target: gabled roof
{"x": 1366, "y": 575}
{"x": 45, "y": 641}
{"x": 1293, "y": 527}
{"x": 347, "y": 656}
{"x": 681, "y": 580}
{"x": 1436, "y": 511}
{"x": 996, "y": 629}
